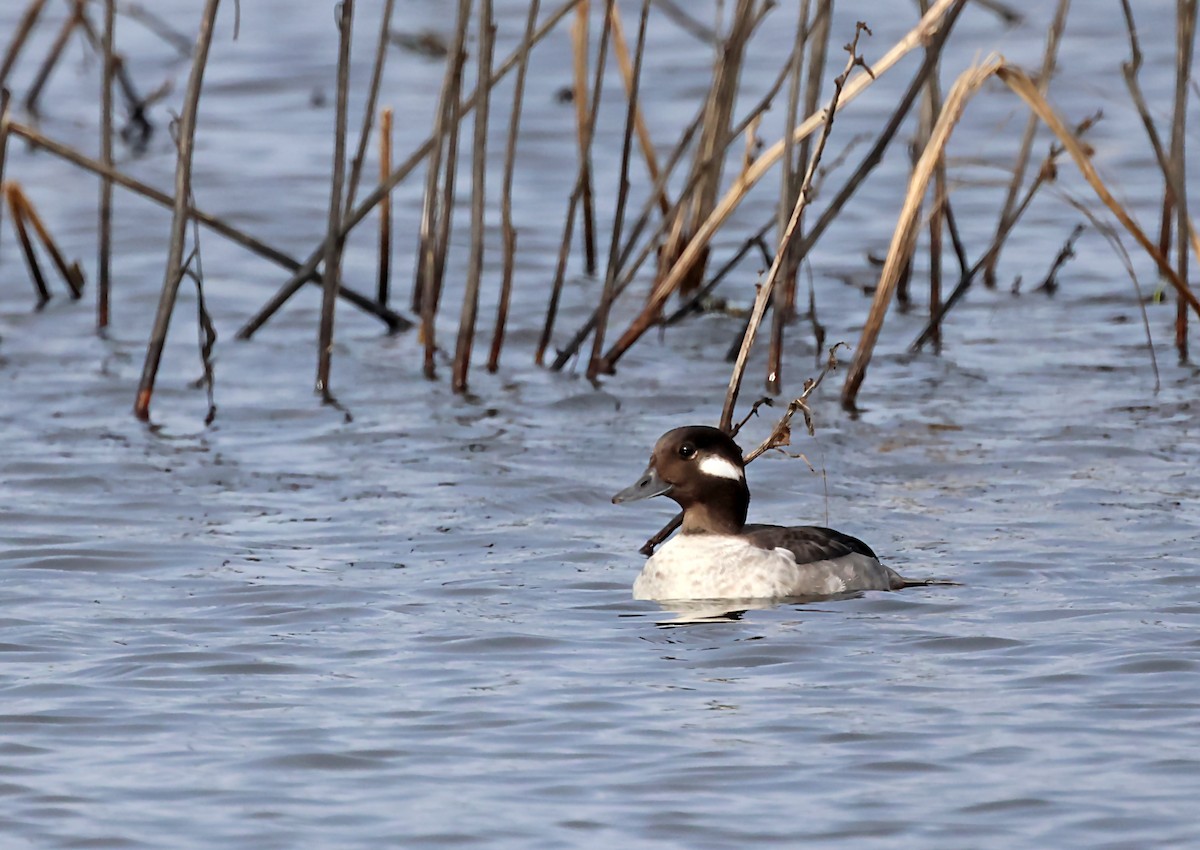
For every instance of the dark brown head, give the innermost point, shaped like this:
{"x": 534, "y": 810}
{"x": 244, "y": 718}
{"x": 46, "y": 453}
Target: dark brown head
{"x": 701, "y": 469}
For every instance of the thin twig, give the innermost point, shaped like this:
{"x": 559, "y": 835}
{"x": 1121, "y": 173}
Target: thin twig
{"x": 104, "y": 262}
{"x": 183, "y": 183}
{"x": 508, "y": 231}
{"x": 631, "y": 115}
{"x": 470, "y": 306}
{"x": 1049, "y": 58}
{"x": 802, "y": 200}
{"x": 24, "y": 28}
{"x": 344, "y": 13}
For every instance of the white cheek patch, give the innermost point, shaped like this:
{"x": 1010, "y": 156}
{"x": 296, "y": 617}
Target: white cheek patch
{"x": 719, "y": 467}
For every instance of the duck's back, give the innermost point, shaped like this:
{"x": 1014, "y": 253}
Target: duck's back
{"x": 764, "y": 561}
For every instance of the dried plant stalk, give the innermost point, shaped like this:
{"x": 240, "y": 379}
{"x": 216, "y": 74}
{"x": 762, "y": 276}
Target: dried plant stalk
{"x": 470, "y": 306}
{"x": 333, "y": 243}
{"x": 906, "y": 229}
{"x": 104, "y": 261}
{"x": 507, "y": 231}
{"x": 183, "y": 190}
{"x": 1049, "y": 58}
{"x": 32, "y": 12}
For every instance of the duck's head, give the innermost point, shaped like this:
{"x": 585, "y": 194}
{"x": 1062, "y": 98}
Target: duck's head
{"x": 701, "y": 469}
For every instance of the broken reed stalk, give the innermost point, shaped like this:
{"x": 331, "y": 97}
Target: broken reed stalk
{"x": 508, "y": 232}
{"x": 933, "y": 328}
{"x": 250, "y": 243}
{"x": 925, "y": 29}
{"x": 715, "y": 136}
{"x": 52, "y": 57}
{"x": 173, "y": 273}
{"x": 1049, "y": 59}
{"x": 427, "y": 234}
{"x": 31, "y": 261}
{"x": 5, "y": 101}
{"x": 1130, "y": 71}
{"x": 23, "y": 208}
{"x": 306, "y": 270}
{"x": 24, "y": 28}
{"x": 1114, "y": 240}
{"x": 443, "y": 204}
{"x": 1184, "y": 40}
{"x": 470, "y": 306}
{"x": 802, "y": 200}
{"x": 333, "y": 244}
{"x": 385, "y": 208}
{"x": 787, "y": 199}
{"x": 628, "y": 77}
{"x": 906, "y": 229}
{"x": 579, "y": 49}
{"x": 578, "y": 194}
{"x": 364, "y": 136}
{"x": 104, "y": 260}
{"x": 631, "y": 120}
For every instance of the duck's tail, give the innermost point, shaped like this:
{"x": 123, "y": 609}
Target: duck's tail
{"x": 924, "y": 582}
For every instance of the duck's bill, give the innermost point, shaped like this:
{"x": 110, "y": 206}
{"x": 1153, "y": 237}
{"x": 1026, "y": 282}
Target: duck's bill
{"x": 647, "y": 486}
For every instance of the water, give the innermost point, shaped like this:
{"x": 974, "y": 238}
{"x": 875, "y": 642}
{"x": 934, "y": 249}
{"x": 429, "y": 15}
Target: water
{"x": 414, "y": 629}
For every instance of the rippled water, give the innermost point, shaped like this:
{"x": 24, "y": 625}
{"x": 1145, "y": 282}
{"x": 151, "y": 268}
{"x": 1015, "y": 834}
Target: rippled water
{"x": 414, "y": 629}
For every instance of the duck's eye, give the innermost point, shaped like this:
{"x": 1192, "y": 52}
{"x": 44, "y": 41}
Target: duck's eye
{"x": 687, "y": 451}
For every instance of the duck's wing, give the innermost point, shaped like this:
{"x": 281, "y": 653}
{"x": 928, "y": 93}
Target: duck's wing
{"x": 809, "y": 543}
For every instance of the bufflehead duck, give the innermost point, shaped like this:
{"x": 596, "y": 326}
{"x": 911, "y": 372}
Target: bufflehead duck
{"x": 716, "y": 555}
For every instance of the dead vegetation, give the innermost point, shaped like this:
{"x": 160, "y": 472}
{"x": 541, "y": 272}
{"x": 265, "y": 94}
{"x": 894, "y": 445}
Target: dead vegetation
{"x": 661, "y": 242}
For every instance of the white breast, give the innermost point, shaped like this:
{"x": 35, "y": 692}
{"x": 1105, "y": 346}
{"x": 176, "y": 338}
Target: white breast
{"x": 714, "y": 566}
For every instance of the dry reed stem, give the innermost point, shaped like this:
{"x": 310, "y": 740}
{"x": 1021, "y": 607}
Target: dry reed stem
{"x": 5, "y": 101}
{"x": 787, "y": 198}
{"x": 631, "y": 116}
{"x": 578, "y": 195}
{"x": 919, "y": 35}
{"x": 71, "y": 273}
{"x": 470, "y": 305}
{"x": 431, "y": 297}
{"x": 183, "y": 187}
{"x": 802, "y": 200}
{"x": 507, "y": 231}
{"x": 24, "y": 28}
{"x": 628, "y": 77}
{"x": 1049, "y": 59}
{"x": 583, "y": 131}
{"x": 716, "y": 134}
{"x": 385, "y": 209}
{"x": 1184, "y": 41}
{"x": 31, "y": 261}
{"x": 427, "y": 234}
{"x": 104, "y": 260}
{"x": 333, "y": 245}
{"x": 52, "y": 57}
{"x": 364, "y": 136}
{"x": 1046, "y": 173}
{"x": 305, "y": 273}
{"x": 906, "y": 229}
{"x": 1114, "y": 240}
